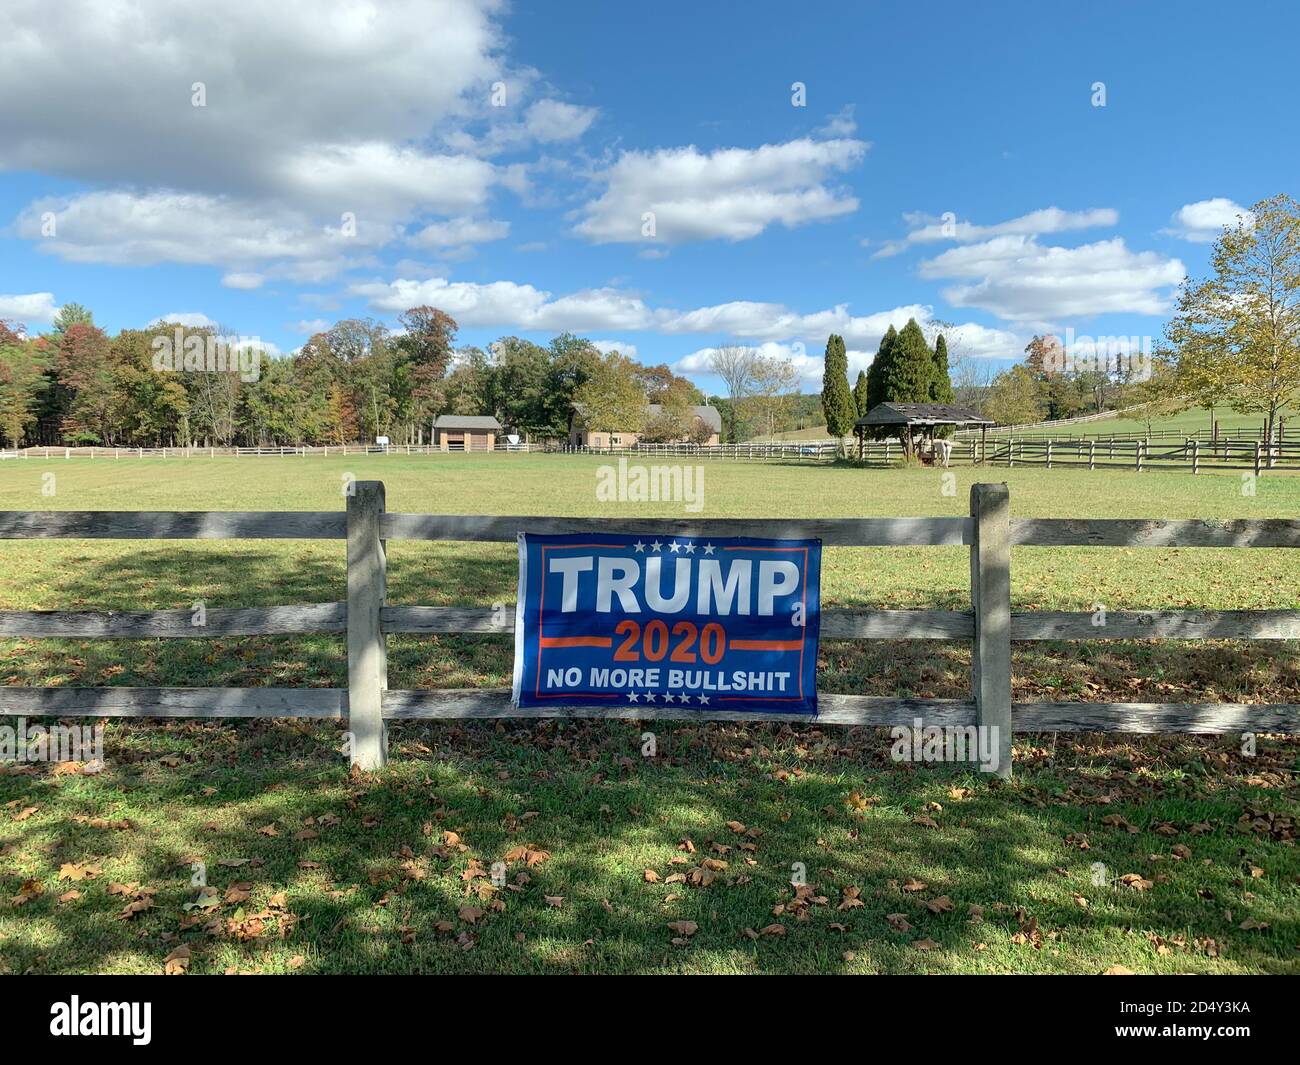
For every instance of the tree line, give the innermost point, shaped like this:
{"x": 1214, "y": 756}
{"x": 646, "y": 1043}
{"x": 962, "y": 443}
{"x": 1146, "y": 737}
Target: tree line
{"x": 355, "y": 381}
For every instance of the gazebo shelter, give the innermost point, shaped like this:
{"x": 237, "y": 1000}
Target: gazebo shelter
{"x": 915, "y": 420}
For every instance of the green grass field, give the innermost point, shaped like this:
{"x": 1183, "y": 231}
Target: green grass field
{"x": 318, "y": 871}
{"x": 1188, "y": 422}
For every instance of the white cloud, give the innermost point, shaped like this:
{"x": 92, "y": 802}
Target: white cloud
{"x": 283, "y": 145}
{"x": 1019, "y": 280}
{"x": 548, "y": 121}
{"x": 1202, "y": 222}
{"x": 459, "y": 232}
{"x": 257, "y": 344}
{"x": 840, "y": 124}
{"x": 775, "y": 321}
{"x": 32, "y": 307}
{"x": 506, "y": 304}
{"x": 271, "y": 73}
{"x": 929, "y": 230}
{"x": 622, "y": 347}
{"x": 189, "y": 319}
{"x": 732, "y": 193}
{"x": 152, "y": 227}
{"x": 385, "y": 181}
{"x": 311, "y": 326}
{"x": 544, "y": 121}
{"x": 244, "y": 280}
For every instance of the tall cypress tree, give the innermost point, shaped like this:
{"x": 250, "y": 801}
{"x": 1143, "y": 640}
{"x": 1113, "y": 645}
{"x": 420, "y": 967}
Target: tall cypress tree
{"x": 860, "y": 393}
{"x": 910, "y": 369}
{"x": 837, "y": 400}
{"x": 941, "y": 386}
{"x": 876, "y": 374}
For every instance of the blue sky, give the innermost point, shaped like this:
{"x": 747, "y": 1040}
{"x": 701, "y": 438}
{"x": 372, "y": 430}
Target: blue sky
{"x": 948, "y": 163}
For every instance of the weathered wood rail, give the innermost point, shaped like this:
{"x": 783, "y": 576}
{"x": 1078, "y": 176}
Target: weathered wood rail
{"x": 989, "y": 532}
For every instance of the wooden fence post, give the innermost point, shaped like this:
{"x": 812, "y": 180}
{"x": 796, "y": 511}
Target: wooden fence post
{"x": 990, "y": 589}
{"x": 367, "y": 649}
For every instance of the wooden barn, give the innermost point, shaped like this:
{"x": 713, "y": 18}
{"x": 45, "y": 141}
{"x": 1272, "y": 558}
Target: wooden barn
{"x": 459, "y": 432}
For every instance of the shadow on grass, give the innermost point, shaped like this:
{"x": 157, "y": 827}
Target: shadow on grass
{"x": 375, "y": 871}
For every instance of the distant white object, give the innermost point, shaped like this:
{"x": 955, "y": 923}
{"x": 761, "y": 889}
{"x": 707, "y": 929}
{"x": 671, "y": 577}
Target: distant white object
{"x": 512, "y": 439}
{"x": 944, "y": 448}
{"x": 382, "y": 441}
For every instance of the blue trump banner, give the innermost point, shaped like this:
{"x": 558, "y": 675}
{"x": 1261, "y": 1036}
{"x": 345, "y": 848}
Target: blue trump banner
{"x": 711, "y": 623}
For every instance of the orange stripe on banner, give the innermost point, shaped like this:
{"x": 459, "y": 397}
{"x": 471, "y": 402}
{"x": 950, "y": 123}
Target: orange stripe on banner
{"x": 577, "y": 641}
{"x": 766, "y": 645}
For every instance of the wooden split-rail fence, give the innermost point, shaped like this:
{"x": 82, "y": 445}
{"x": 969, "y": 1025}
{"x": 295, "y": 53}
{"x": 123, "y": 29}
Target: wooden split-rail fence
{"x": 367, "y": 704}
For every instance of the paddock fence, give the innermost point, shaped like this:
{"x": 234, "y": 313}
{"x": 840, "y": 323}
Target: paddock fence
{"x": 367, "y": 704}
{"x": 1187, "y": 453}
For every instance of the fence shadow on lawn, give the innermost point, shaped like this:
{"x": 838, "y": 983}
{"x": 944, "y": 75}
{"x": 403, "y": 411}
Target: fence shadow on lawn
{"x": 603, "y": 821}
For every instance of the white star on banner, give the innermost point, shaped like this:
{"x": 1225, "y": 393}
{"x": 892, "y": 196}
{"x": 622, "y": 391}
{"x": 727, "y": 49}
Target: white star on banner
{"x": 704, "y": 700}
{"x": 675, "y": 547}
{"x": 649, "y": 697}
{"x": 690, "y": 549}
{"x": 632, "y": 697}
{"x": 640, "y": 547}
{"x": 668, "y": 697}
{"x": 708, "y": 549}
{"x": 684, "y": 697}
{"x": 657, "y": 546}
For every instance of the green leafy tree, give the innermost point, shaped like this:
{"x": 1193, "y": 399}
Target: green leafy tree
{"x": 71, "y": 314}
{"x": 85, "y": 375}
{"x": 1236, "y": 335}
{"x": 1013, "y": 397}
{"x": 879, "y": 366}
{"x": 572, "y": 361}
{"x": 837, "y": 399}
{"x": 424, "y": 350}
{"x": 860, "y": 393}
{"x": 672, "y": 422}
{"x": 518, "y": 383}
{"x": 149, "y": 406}
{"x": 611, "y": 399}
{"x": 910, "y": 371}
{"x": 466, "y": 387}
{"x": 22, "y": 380}
{"x": 774, "y": 381}
{"x": 941, "y": 382}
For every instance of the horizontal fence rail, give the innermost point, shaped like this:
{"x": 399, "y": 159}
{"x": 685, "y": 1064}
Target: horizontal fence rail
{"x": 172, "y": 525}
{"x": 367, "y": 619}
{"x": 840, "y": 532}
